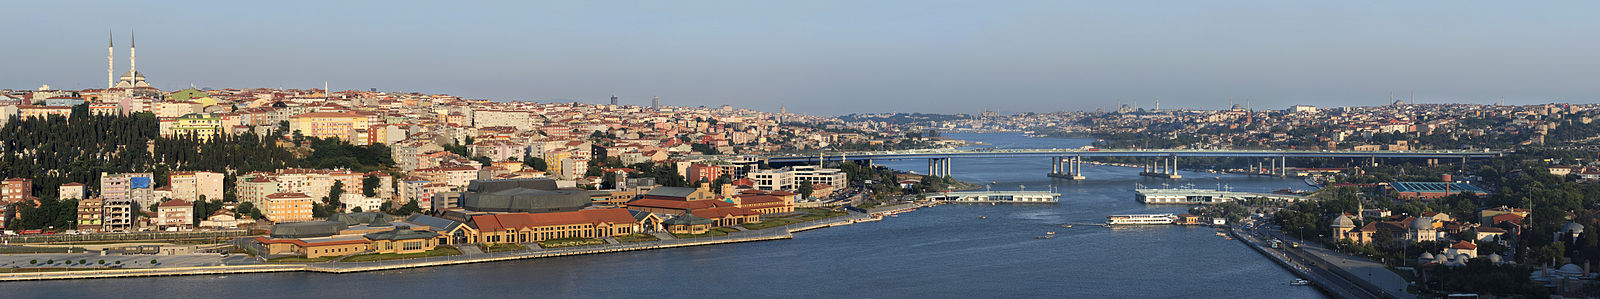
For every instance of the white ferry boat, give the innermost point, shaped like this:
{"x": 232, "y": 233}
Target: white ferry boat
{"x": 1141, "y": 219}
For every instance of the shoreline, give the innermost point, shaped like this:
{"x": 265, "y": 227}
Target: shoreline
{"x": 786, "y": 232}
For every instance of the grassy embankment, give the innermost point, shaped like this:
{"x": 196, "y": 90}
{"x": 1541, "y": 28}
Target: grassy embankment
{"x": 437, "y": 251}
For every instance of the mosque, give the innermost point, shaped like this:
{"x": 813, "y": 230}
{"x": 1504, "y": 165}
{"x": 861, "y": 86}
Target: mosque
{"x": 130, "y": 79}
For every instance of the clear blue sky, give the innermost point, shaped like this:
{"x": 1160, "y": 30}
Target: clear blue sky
{"x": 831, "y": 57}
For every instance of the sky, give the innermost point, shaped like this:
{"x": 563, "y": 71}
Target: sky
{"x": 836, "y": 57}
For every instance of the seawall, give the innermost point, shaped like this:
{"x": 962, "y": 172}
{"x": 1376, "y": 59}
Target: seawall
{"x": 777, "y": 233}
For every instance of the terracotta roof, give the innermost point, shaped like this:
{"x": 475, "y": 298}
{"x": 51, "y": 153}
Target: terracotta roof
{"x": 288, "y": 195}
{"x": 714, "y": 213}
{"x": 677, "y": 204}
{"x": 177, "y": 203}
{"x": 298, "y": 242}
{"x": 521, "y": 220}
{"x": 328, "y": 114}
{"x": 1464, "y": 245}
{"x": 759, "y": 199}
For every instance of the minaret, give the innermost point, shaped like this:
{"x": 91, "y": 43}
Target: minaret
{"x": 133, "y": 59}
{"x": 111, "y": 63}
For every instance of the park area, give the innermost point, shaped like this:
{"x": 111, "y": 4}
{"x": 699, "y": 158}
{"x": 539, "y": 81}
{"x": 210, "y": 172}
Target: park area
{"x": 570, "y": 242}
{"x": 436, "y": 252}
{"x": 804, "y": 216}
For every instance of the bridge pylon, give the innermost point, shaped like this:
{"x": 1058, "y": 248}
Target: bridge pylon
{"x": 1070, "y": 168}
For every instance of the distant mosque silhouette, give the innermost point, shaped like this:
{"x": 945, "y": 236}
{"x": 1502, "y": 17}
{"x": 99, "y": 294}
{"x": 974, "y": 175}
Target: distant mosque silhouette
{"x": 133, "y": 78}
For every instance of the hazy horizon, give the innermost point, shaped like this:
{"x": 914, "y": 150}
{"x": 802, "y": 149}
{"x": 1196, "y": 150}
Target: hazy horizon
{"x": 836, "y": 57}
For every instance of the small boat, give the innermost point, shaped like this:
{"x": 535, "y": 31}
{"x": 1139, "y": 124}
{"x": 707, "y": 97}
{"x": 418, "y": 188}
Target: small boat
{"x": 1300, "y": 282}
{"x": 1066, "y": 225}
{"x": 983, "y": 217}
{"x": 1044, "y": 237}
{"x": 1049, "y": 233}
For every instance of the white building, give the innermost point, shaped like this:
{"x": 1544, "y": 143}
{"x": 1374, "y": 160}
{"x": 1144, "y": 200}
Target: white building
{"x": 786, "y": 178}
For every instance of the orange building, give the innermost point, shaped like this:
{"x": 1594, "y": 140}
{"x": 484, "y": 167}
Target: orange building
{"x": 525, "y": 227}
{"x": 348, "y": 126}
{"x": 288, "y": 207}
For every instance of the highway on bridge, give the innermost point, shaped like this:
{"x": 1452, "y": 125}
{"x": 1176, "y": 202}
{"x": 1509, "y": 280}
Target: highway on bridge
{"x": 1041, "y": 153}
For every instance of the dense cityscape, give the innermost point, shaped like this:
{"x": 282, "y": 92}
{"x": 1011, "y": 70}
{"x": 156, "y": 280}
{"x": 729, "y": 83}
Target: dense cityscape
{"x": 138, "y": 185}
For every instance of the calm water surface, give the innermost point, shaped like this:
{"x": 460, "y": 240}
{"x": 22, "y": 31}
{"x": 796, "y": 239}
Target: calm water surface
{"x": 945, "y": 251}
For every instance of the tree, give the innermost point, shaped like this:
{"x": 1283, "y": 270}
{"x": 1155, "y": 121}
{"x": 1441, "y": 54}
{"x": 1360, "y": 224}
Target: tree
{"x": 355, "y": 210}
{"x": 247, "y": 209}
{"x": 806, "y": 189}
{"x": 411, "y": 207}
{"x": 369, "y": 185}
{"x": 536, "y": 163}
{"x": 334, "y": 193}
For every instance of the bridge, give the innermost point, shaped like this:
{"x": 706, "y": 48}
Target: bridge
{"x": 1067, "y": 163}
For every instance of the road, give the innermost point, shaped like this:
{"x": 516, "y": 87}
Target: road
{"x": 1370, "y": 276}
{"x": 1325, "y": 278}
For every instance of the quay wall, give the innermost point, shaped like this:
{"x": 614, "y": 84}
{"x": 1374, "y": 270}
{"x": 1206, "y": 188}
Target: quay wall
{"x": 776, "y": 233}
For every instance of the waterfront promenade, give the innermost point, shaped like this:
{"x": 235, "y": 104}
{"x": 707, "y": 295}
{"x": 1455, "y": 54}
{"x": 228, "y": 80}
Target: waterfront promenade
{"x": 776, "y": 233}
{"x": 1339, "y": 274}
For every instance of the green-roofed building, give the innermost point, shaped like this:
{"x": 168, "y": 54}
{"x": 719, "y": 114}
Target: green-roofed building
{"x": 688, "y": 223}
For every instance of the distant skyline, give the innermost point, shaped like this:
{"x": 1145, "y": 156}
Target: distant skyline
{"x": 836, "y": 57}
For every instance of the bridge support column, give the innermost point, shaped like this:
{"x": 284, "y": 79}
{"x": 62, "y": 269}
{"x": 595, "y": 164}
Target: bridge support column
{"x": 946, "y": 168}
{"x": 1066, "y": 168}
{"x": 1283, "y": 166}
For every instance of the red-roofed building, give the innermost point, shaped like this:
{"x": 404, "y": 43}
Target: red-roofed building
{"x": 176, "y": 213}
{"x": 728, "y": 216}
{"x": 524, "y": 227}
{"x": 764, "y": 204}
{"x": 1463, "y": 248}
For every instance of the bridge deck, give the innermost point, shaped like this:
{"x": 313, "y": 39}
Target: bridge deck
{"x": 1033, "y": 153}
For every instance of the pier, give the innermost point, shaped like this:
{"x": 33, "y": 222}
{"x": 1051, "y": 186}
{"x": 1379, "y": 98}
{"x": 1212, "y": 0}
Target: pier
{"x": 1190, "y": 196}
{"x": 996, "y": 197}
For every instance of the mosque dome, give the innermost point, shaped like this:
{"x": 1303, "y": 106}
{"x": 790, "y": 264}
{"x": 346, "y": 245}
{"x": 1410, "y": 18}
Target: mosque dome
{"x": 132, "y": 74}
{"x": 1343, "y": 221}
{"x": 1572, "y": 227}
{"x": 1422, "y": 224}
{"x": 1570, "y": 269}
{"x": 1425, "y": 257}
{"x": 1494, "y": 258}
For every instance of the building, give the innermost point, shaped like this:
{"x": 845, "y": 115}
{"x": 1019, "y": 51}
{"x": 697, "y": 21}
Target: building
{"x": 72, "y": 191}
{"x": 526, "y": 228}
{"x": 200, "y": 125}
{"x": 1433, "y": 190}
{"x": 196, "y": 185}
{"x": 700, "y": 172}
{"x": 16, "y": 190}
{"x": 786, "y": 178}
{"x": 347, "y": 126}
{"x": 316, "y": 247}
{"x": 225, "y": 218}
{"x": 522, "y": 196}
{"x": 175, "y": 213}
{"x": 502, "y": 118}
{"x": 287, "y": 207}
{"x": 138, "y": 188}
{"x": 91, "y": 215}
{"x": 255, "y": 186}
{"x": 403, "y": 241}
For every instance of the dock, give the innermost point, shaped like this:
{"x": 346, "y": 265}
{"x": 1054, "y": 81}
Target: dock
{"x": 1190, "y": 196}
{"x": 996, "y": 197}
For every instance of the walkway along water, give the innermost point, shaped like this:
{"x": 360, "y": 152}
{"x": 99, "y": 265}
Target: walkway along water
{"x": 776, "y": 233}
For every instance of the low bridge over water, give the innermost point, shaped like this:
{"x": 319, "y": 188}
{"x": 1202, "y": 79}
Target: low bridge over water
{"x": 1163, "y": 163}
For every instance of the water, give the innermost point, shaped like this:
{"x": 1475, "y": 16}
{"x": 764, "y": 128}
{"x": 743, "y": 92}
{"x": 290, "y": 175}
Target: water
{"x": 945, "y": 251}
